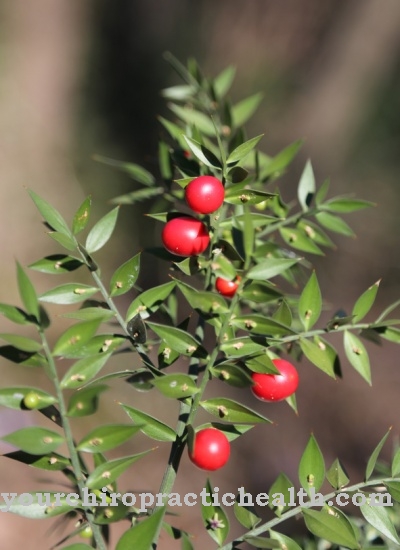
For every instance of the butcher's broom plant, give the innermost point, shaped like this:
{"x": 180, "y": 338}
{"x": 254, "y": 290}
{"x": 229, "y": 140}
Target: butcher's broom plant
{"x": 239, "y": 299}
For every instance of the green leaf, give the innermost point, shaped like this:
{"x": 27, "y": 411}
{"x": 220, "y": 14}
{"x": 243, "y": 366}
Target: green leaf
{"x": 33, "y": 508}
{"x": 204, "y": 301}
{"x": 286, "y": 542}
{"x": 260, "y": 293}
{"x": 365, "y": 302}
{"x": 283, "y": 314}
{"x": 52, "y": 462}
{"x": 176, "y": 386}
{"x": 23, "y": 358}
{"x": 396, "y": 463}
{"x": 35, "y": 441}
{"x": 175, "y": 131}
{"x": 334, "y": 223}
{"x": 75, "y": 337}
{"x": 214, "y": 518}
{"x": 70, "y": 293}
{"x": 64, "y": 240}
{"x": 142, "y": 534}
{"x": 312, "y": 466}
{"x": 195, "y": 118}
{"x": 233, "y": 375}
{"x": 243, "y": 150}
{"x": 246, "y": 515}
{"x": 138, "y": 195}
{"x": 14, "y": 314}
{"x": 178, "y": 93}
{"x": 322, "y": 192}
{"x": 102, "y": 231}
{"x": 201, "y": 152}
{"x": 306, "y": 188}
{"x": 223, "y": 81}
{"x": 310, "y": 303}
{"x": 263, "y": 364}
{"x": 81, "y": 217}
{"x": 102, "y": 343}
{"x": 107, "y": 437}
{"x": 27, "y": 293}
{"x": 13, "y": 397}
{"x": 90, "y": 313}
{"x": 345, "y": 205}
{"x": 262, "y": 542}
{"x": 335, "y": 528}
{"x": 111, "y": 470}
{"x": 245, "y": 345}
{"x": 277, "y": 165}
{"x": 357, "y": 355}
{"x": 336, "y": 475}
{"x": 271, "y": 268}
{"x": 56, "y": 264}
{"x": 314, "y": 233}
{"x": 77, "y": 546}
{"x": 246, "y": 196}
{"x": 149, "y": 425}
{"x": 178, "y": 339}
{"x": 231, "y": 411}
{"x": 319, "y": 354}
{"x": 50, "y": 214}
{"x": 378, "y": 517}
{"x": 374, "y": 456}
{"x": 136, "y": 172}
{"x": 85, "y": 402}
{"x": 21, "y": 342}
{"x": 84, "y": 370}
{"x": 232, "y": 431}
{"x": 298, "y": 239}
{"x": 244, "y": 110}
{"x": 150, "y": 300}
{"x": 125, "y": 276}
{"x": 258, "y": 324}
{"x": 281, "y": 486}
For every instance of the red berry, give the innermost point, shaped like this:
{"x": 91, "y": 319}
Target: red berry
{"x": 226, "y": 287}
{"x": 276, "y": 387}
{"x": 205, "y": 194}
{"x": 185, "y": 236}
{"x": 211, "y": 449}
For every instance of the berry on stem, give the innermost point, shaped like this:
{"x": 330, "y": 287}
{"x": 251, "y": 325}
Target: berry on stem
{"x": 185, "y": 236}
{"x": 276, "y": 387}
{"x": 225, "y": 287}
{"x": 31, "y": 400}
{"x": 205, "y": 194}
{"x": 211, "y": 449}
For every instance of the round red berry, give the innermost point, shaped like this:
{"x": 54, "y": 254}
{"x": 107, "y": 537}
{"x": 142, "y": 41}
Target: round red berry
{"x": 226, "y": 287}
{"x": 205, "y": 194}
{"x": 185, "y": 236}
{"x": 211, "y": 449}
{"x": 276, "y": 387}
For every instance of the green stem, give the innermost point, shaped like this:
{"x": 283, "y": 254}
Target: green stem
{"x": 73, "y": 453}
{"x": 297, "y": 510}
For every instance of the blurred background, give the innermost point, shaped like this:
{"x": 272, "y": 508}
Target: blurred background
{"x": 79, "y": 78}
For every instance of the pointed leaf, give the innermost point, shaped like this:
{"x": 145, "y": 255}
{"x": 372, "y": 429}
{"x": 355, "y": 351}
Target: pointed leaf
{"x": 178, "y": 340}
{"x": 27, "y": 293}
{"x": 34, "y": 508}
{"x": 357, "y": 355}
{"x": 102, "y": 231}
{"x": 246, "y": 196}
{"x": 231, "y": 411}
{"x": 125, "y": 276}
{"x": 286, "y": 542}
{"x": 223, "y": 81}
{"x": 364, "y": 303}
{"x": 201, "y": 152}
{"x": 319, "y": 355}
{"x": 312, "y": 466}
{"x": 14, "y": 314}
{"x": 271, "y": 268}
{"x": 310, "y": 303}
{"x": 336, "y": 475}
{"x": 277, "y": 165}
{"x": 196, "y": 118}
{"x": 281, "y": 486}
{"x": 70, "y": 293}
{"x": 332, "y": 527}
{"x": 396, "y": 463}
{"x": 176, "y": 386}
{"x": 85, "y": 401}
{"x": 374, "y": 456}
{"x": 21, "y": 342}
{"x": 84, "y": 370}
{"x": 299, "y": 240}
{"x": 107, "y": 437}
{"x": 214, "y": 518}
{"x": 243, "y": 150}
{"x": 334, "y": 223}
{"x": 50, "y": 214}
{"x": 75, "y": 337}
{"x": 150, "y": 426}
{"x": 378, "y": 517}
{"x": 111, "y": 470}
{"x": 56, "y": 264}
{"x": 13, "y": 397}
{"x": 233, "y": 375}
{"x": 35, "y": 440}
{"x": 244, "y": 110}
{"x": 344, "y": 205}
{"x": 306, "y": 188}
{"x": 81, "y": 217}
{"x": 257, "y": 324}
{"x": 142, "y": 534}
{"x": 246, "y": 515}
{"x": 150, "y": 300}
{"x": 136, "y": 172}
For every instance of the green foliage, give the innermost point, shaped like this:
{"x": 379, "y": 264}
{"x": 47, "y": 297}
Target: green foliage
{"x": 256, "y": 240}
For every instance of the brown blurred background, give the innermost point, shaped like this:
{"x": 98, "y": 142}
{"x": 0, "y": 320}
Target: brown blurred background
{"x": 83, "y": 77}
